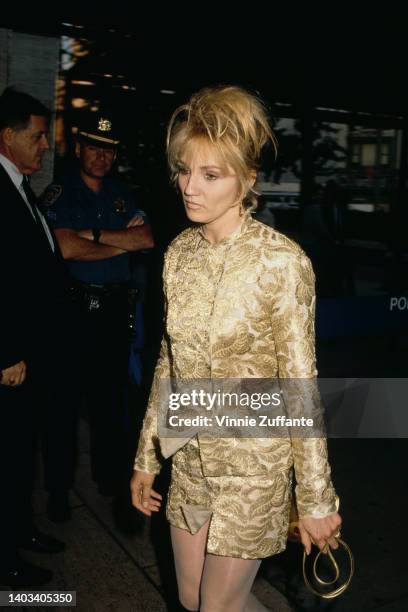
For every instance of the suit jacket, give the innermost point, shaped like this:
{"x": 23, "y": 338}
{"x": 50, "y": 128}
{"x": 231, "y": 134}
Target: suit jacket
{"x": 243, "y": 308}
{"x": 32, "y": 279}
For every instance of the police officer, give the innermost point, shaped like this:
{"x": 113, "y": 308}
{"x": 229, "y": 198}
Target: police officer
{"x": 98, "y": 227}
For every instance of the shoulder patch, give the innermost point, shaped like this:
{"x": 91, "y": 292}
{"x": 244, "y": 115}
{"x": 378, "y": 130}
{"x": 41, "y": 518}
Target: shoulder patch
{"x": 51, "y": 195}
{"x": 51, "y": 214}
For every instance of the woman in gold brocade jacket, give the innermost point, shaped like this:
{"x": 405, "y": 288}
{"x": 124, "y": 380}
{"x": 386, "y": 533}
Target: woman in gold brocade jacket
{"x": 239, "y": 304}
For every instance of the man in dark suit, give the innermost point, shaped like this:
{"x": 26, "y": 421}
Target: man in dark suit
{"x": 31, "y": 329}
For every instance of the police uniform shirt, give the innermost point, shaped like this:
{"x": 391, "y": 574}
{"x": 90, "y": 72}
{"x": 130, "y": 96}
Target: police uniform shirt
{"x": 73, "y": 205}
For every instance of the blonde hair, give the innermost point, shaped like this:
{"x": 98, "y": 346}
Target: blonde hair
{"x": 231, "y": 119}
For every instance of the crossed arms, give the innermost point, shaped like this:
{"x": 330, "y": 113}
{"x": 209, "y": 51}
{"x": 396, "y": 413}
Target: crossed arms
{"x": 79, "y": 245}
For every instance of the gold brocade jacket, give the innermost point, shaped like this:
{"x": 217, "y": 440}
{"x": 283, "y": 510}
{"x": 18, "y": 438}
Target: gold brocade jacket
{"x": 242, "y": 308}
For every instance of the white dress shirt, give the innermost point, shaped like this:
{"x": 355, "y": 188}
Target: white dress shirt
{"x": 17, "y": 177}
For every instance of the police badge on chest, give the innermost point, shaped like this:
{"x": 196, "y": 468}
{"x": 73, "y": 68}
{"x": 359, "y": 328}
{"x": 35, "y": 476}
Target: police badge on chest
{"x": 120, "y": 206}
{"x": 94, "y": 303}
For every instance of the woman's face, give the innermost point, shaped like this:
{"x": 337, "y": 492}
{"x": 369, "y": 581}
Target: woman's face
{"x": 209, "y": 189}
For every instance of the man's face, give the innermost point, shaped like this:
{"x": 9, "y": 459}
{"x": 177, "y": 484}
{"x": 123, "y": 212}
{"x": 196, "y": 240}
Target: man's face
{"x": 95, "y": 162}
{"x": 26, "y": 146}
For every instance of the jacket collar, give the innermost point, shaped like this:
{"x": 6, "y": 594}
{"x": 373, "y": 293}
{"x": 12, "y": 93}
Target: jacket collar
{"x": 13, "y": 172}
{"x": 233, "y": 236}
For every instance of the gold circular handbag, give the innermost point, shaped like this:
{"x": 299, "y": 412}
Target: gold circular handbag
{"x": 294, "y": 536}
{"x": 325, "y": 583}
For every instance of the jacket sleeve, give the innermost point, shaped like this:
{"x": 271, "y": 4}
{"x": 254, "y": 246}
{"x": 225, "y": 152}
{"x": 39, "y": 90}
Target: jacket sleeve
{"x": 13, "y": 304}
{"x": 294, "y": 334}
{"x": 148, "y": 451}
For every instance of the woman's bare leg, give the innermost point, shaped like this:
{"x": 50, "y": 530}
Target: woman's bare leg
{"x": 189, "y": 557}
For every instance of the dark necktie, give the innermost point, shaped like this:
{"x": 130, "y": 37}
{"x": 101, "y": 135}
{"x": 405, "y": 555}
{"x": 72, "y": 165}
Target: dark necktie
{"x": 31, "y": 197}
{"x": 32, "y": 200}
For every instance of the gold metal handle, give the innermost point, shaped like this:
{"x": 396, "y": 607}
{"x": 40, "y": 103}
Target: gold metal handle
{"x": 334, "y": 563}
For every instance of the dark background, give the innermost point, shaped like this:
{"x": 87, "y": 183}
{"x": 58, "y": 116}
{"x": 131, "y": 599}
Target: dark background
{"x": 315, "y": 62}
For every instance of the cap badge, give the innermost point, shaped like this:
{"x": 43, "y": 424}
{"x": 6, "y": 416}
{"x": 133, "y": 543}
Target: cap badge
{"x": 104, "y": 125}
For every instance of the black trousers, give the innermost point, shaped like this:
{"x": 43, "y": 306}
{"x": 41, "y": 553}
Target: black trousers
{"x": 41, "y": 408}
{"x": 102, "y": 337}
{"x": 56, "y": 398}
{"x": 19, "y": 427}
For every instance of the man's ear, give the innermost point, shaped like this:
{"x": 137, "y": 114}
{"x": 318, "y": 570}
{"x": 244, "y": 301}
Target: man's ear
{"x": 8, "y": 135}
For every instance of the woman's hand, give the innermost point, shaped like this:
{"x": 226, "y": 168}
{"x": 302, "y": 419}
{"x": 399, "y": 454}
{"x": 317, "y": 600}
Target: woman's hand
{"x": 144, "y": 498}
{"x": 320, "y": 531}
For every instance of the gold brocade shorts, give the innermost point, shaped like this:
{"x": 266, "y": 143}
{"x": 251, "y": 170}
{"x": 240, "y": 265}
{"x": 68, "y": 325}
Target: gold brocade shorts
{"x": 249, "y": 516}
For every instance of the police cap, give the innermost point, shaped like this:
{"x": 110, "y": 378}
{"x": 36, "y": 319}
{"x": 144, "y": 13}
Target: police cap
{"x": 99, "y": 132}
